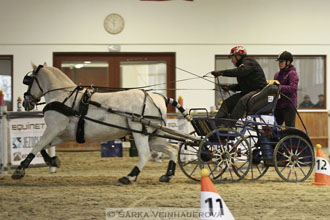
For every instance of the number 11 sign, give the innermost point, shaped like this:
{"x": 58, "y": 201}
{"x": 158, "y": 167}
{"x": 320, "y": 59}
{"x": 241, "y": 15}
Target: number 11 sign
{"x": 212, "y": 205}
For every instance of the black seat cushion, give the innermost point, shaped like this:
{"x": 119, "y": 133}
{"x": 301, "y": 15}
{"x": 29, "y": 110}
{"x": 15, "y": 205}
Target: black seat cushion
{"x": 263, "y": 101}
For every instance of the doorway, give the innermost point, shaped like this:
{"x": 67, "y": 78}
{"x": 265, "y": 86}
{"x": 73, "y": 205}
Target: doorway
{"x": 151, "y": 71}
{"x": 117, "y": 70}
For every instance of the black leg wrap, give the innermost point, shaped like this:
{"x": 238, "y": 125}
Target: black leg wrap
{"x": 169, "y": 173}
{"x": 50, "y": 161}
{"x": 25, "y": 163}
{"x": 45, "y": 156}
{"x": 171, "y": 168}
{"x": 135, "y": 172}
{"x": 20, "y": 171}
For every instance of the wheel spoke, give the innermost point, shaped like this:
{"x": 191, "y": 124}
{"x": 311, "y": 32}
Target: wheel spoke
{"x": 298, "y": 144}
{"x": 212, "y": 170}
{"x": 289, "y": 173}
{"x": 302, "y": 150}
{"x": 230, "y": 171}
{"x": 285, "y": 147}
{"x": 190, "y": 162}
{"x": 188, "y": 154}
{"x": 301, "y": 169}
{"x": 194, "y": 170}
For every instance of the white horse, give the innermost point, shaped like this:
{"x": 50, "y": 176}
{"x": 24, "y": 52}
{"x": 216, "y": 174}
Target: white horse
{"x": 63, "y": 118}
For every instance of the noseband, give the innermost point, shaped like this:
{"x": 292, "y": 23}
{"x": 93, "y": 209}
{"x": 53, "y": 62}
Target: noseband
{"x": 28, "y": 80}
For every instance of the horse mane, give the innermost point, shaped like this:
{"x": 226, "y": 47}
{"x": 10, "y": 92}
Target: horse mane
{"x": 58, "y": 76}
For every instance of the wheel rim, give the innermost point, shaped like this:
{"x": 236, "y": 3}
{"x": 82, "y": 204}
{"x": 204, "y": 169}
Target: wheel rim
{"x": 188, "y": 161}
{"x": 229, "y": 155}
{"x": 294, "y": 158}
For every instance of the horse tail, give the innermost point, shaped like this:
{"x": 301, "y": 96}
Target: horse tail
{"x": 179, "y": 107}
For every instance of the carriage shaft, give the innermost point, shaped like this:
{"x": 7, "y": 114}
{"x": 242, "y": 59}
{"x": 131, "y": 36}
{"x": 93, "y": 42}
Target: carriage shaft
{"x": 164, "y": 128}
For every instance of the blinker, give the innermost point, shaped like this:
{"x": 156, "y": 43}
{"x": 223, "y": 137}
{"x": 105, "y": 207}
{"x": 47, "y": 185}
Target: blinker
{"x": 28, "y": 80}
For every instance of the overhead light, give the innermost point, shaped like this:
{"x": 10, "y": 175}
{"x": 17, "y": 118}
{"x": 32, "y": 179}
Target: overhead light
{"x": 79, "y": 65}
{"x": 114, "y": 48}
{"x": 87, "y": 62}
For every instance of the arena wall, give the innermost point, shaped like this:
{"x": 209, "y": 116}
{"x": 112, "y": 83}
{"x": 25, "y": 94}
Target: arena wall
{"x": 197, "y": 31}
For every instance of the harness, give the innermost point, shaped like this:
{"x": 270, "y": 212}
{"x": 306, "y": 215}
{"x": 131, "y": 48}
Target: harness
{"x": 67, "y": 111}
{"x": 83, "y": 107}
{"x": 84, "y": 103}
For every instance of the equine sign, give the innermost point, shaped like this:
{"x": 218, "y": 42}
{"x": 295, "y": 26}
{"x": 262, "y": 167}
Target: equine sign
{"x": 24, "y": 133}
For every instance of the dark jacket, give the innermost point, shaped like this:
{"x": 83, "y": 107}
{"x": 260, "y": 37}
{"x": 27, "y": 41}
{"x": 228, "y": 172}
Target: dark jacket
{"x": 288, "y": 79}
{"x": 306, "y": 105}
{"x": 249, "y": 75}
{"x": 319, "y": 105}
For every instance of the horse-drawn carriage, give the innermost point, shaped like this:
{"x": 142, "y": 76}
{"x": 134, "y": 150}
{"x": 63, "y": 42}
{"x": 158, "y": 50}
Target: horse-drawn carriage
{"x": 247, "y": 149}
{"x": 250, "y": 147}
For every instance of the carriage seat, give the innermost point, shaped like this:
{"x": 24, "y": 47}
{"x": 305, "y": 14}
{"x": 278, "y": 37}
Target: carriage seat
{"x": 203, "y": 126}
{"x": 264, "y": 101}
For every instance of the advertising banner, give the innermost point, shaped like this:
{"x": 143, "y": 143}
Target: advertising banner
{"x": 24, "y": 133}
{"x": 179, "y": 124}
{"x": 1, "y": 144}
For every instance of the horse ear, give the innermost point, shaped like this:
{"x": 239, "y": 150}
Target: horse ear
{"x": 45, "y": 64}
{"x": 33, "y": 65}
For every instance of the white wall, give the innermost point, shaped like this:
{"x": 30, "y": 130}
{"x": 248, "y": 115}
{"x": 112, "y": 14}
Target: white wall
{"x": 32, "y": 30}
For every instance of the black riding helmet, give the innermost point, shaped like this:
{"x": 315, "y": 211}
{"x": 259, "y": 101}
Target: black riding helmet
{"x": 285, "y": 56}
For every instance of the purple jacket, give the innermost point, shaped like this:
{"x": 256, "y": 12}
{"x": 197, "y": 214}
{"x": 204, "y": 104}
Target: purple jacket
{"x": 289, "y": 85}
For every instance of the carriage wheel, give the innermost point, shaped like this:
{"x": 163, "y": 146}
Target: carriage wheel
{"x": 188, "y": 161}
{"x": 294, "y": 158}
{"x": 258, "y": 167}
{"x": 226, "y": 153}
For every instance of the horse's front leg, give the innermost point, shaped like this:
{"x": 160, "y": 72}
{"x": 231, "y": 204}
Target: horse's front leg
{"x": 48, "y": 136}
{"x": 142, "y": 146}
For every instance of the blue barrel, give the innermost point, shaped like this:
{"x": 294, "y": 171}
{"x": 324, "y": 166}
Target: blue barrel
{"x": 112, "y": 148}
{"x": 266, "y": 148}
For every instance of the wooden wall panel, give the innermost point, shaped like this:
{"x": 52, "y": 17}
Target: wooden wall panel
{"x": 317, "y": 126}
{"x": 73, "y": 146}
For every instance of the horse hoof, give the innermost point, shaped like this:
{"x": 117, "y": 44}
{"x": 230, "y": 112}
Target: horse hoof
{"x": 124, "y": 180}
{"x": 18, "y": 174}
{"x": 56, "y": 162}
{"x": 165, "y": 179}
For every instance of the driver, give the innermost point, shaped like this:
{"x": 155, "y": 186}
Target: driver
{"x": 251, "y": 79}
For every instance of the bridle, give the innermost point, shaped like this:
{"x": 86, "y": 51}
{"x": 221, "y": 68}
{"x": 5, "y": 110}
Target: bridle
{"x": 28, "y": 80}
{"x": 30, "y": 100}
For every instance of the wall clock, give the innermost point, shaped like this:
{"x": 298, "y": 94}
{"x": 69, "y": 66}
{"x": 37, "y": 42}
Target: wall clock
{"x": 114, "y": 23}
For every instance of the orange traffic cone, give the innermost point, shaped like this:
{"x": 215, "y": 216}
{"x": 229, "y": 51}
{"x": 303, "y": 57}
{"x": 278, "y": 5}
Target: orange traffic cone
{"x": 212, "y": 205}
{"x": 322, "y": 168}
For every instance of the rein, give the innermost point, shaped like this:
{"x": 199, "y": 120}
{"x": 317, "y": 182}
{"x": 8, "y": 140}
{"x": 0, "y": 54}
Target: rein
{"x": 28, "y": 80}
{"x": 196, "y": 76}
{"x": 57, "y": 89}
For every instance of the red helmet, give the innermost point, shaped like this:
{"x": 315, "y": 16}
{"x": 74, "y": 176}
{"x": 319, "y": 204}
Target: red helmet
{"x": 238, "y": 50}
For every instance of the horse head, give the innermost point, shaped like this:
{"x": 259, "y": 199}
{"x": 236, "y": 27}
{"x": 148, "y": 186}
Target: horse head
{"x": 41, "y": 81}
{"x": 34, "y": 92}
